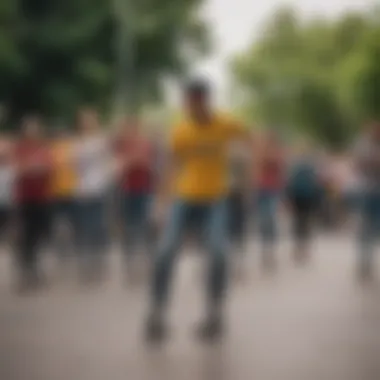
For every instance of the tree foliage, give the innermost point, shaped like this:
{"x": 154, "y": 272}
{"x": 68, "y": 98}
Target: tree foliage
{"x": 320, "y": 76}
{"x": 57, "y": 55}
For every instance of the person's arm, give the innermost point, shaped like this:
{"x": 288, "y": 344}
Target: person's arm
{"x": 237, "y": 132}
{"x": 173, "y": 152}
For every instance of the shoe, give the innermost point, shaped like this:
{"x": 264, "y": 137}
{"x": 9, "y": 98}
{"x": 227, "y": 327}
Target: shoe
{"x": 211, "y": 330}
{"x": 155, "y": 329}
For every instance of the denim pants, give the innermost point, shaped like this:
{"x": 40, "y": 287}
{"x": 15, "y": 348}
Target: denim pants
{"x": 65, "y": 210}
{"x": 370, "y": 227}
{"x": 211, "y": 218}
{"x": 135, "y": 214}
{"x": 267, "y": 201}
{"x": 92, "y": 227}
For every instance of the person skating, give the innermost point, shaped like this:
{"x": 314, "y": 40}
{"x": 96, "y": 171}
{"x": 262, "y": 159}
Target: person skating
{"x": 199, "y": 157}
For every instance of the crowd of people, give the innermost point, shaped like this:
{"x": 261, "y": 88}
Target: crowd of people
{"x": 76, "y": 190}
{"x": 56, "y": 189}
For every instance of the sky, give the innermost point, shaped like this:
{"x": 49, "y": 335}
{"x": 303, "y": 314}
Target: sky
{"x": 236, "y": 23}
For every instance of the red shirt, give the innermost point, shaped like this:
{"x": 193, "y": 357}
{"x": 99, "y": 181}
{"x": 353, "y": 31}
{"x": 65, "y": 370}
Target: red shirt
{"x": 271, "y": 175}
{"x": 138, "y": 177}
{"x": 32, "y": 186}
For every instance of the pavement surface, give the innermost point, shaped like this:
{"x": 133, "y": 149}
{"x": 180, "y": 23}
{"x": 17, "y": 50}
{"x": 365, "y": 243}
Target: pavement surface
{"x": 315, "y": 322}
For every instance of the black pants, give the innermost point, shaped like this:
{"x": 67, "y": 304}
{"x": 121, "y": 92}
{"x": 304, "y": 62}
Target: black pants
{"x": 302, "y": 212}
{"x": 33, "y": 229}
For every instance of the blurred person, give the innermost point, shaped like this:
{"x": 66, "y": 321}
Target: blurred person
{"x": 7, "y": 178}
{"x": 199, "y": 159}
{"x": 270, "y": 182}
{"x": 63, "y": 192}
{"x": 367, "y": 154}
{"x": 340, "y": 174}
{"x": 158, "y": 140}
{"x": 33, "y": 175}
{"x": 330, "y": 192}
{"x": 136, "y": 157}
{"x": 115, "y": 136}
{"x": 237, "y": 202}
{"x": 303, "y": 192}
{"x": 160, "y": 163}
{"x": 93, "y": 166}
{"x": 352, "y": 189}
{"x": 349, "y": 190}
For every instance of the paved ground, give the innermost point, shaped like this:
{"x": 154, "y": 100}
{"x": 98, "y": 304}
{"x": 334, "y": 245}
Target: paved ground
{"x": 306, "y": 323}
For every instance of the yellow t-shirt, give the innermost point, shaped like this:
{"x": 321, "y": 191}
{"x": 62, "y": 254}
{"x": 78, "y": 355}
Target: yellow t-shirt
{"x": 64, "y": 176}
{"x": 201, "y": 152}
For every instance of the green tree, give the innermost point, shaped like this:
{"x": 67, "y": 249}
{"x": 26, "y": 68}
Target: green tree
{"x": 319, "y": 76}
{"x": 57, "y": 55}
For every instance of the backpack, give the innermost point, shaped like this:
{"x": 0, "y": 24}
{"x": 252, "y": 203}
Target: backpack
{"x": 303, "y": 180}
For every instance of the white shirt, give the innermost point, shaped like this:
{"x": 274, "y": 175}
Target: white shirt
{"x": 93, "y": 166}
{"x": 7, "y": 176}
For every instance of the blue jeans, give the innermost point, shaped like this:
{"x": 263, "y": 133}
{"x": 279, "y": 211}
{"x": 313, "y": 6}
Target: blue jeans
{"x": 370, "y": 227}
{"x": 267, "y": 201}
{"x": 92, "y": 227}
{"x": 211, "y": 218}
{"x": 65, "y": 209}
{"x": 135, "y": 213}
